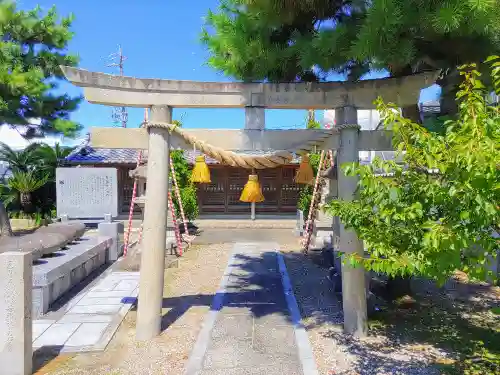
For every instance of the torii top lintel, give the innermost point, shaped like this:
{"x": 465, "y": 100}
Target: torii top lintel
{"x": 108, "y": 89}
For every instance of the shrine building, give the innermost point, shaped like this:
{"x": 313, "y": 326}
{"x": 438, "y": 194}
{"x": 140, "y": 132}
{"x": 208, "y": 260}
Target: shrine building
{"x": 221, "y": 196}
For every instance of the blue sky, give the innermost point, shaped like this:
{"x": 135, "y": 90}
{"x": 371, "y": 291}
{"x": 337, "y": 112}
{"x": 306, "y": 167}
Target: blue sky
{"x": 161, "y": 40}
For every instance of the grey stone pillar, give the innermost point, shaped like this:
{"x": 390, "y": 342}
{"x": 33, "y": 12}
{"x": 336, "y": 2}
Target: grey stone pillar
{"x": 324, "y": 236}
{"x": 154, "y": 232}
{"x": 353, "y": 278}
{"x": 16, "y": 331}
{"x": 112, "y": 229}
{"x": 255, "y": 118}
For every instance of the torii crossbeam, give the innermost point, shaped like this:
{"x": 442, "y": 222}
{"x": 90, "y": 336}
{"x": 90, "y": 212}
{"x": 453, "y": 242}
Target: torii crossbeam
{"x": 162, "y": 95}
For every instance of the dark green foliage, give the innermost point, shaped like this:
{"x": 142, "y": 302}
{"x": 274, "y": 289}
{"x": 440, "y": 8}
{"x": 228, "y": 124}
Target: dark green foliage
{"x": 32, "y": 46}
{"x": 281, "y": 40}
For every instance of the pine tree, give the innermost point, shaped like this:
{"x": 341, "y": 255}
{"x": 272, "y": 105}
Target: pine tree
{"x": 279, "y": 40}
{"x": 32, "y": 47}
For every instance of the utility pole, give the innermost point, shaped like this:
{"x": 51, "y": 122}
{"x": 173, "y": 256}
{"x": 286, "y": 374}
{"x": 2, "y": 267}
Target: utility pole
{"x": 117, "y": 59}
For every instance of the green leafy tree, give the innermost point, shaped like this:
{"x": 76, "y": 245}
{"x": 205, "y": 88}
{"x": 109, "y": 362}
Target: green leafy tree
{"x": 32, "y": 46}
{"x": 436, "y": 213}
{"x": 280, "y": 40}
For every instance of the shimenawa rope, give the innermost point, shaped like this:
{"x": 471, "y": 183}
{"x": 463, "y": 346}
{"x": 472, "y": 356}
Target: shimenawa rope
{"x": 271, "y": 160}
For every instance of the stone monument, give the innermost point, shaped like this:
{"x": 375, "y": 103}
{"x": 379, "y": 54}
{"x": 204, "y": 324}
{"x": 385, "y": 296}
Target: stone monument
{"x": 87, "y": 193}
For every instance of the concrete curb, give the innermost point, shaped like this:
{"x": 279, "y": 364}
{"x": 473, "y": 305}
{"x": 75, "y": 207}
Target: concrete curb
{"x": 306, "y": 354}
{"x": 195, "y": 361}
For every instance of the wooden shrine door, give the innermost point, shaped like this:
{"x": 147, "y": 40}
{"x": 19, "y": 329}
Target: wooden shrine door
{"x": 212, "y": 197}
{"x": 270, "y": 181}
{"x": 289, "y": 190}
{"x": 236, "y": 180}
{"x": 222, "y": 195}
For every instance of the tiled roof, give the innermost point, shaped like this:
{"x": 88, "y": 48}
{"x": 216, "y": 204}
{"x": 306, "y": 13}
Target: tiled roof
{"x": 89, "y": 155}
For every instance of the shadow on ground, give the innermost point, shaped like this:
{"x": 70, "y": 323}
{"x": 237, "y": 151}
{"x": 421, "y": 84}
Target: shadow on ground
{"x": 471, "y": 337}
{"x": 456, "y": 320}
{"x": 44, "y": 356}
{"x": 452, "y": 327}
{"x": 251, "y": 287}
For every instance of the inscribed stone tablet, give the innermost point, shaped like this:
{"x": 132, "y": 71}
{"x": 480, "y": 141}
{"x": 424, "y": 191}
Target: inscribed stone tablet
{"x": 87, "y": 192}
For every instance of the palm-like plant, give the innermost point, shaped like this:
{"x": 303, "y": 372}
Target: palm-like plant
{"x": 49, "y": 158}
{"x": 19, "y": 160}
{"x": 26, "y": 183}
{"x": 7, "y": 194}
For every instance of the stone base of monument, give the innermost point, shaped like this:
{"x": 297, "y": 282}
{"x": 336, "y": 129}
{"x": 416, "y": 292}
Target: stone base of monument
{"x": 55, "y": 275}
{"x": 172, "y": 259}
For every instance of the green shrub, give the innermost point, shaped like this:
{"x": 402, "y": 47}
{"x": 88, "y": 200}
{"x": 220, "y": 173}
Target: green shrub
{"x": 304, "y": 201}
{"x": 305, "y": 195}
{"x": 186, "y": 188}
{"x": 189, "y": 202}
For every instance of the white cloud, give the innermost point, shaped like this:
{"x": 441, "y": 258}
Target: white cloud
{"x": 14, "y": 139}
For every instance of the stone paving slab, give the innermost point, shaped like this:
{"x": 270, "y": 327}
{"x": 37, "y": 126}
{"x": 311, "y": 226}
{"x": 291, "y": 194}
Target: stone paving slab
{"x": 92, "y": 317}
{"x": 253, "y": 327}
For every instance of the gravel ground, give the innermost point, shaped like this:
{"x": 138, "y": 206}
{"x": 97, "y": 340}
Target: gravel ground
{"x": 334, "y": 352}
{"x": 188, "y": 293}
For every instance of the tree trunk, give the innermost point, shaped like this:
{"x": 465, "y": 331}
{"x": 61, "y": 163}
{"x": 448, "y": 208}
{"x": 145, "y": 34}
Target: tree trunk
{"x": 412, "y": 112}
{"x": 398, "y": 287}
{"x": 5, "y": 228}
{"x": 448, "y": 103}
{"x": 25, "y": 199}
{"x": 449, "y": 87}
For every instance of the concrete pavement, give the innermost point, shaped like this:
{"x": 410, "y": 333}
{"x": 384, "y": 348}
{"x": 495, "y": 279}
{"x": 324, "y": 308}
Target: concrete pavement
{"x": 254, "y": 324}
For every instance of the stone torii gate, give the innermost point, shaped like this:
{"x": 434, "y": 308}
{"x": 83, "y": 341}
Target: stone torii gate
{"x": 162, "y": 95}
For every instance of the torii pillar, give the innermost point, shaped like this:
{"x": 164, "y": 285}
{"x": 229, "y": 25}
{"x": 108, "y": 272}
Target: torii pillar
{"x": 353, "y": 278}
{"x": 149, "y": 312}
{"x": 255, "y": 119}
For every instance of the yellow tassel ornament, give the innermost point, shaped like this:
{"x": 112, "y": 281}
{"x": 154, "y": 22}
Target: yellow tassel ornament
{"x": 200, "y": 173}
{"x": 252, "y": 192}
{"x": 305, "y": 173}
